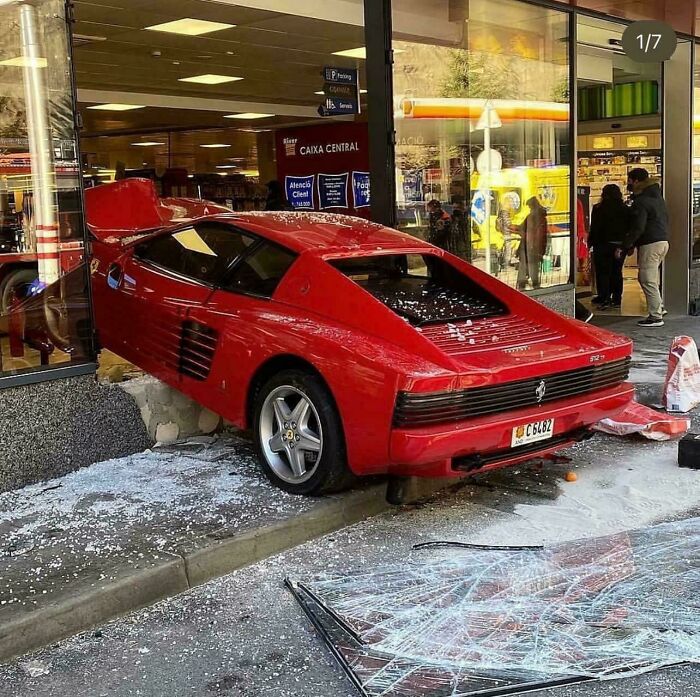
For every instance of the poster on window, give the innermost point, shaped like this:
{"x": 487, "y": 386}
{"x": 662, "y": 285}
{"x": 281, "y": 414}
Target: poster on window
{"x": 300, "y": 192}
{"x": 333, "y": 190}
{"x": 360, "y": 189}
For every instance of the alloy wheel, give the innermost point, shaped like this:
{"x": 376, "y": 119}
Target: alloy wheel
{"x": 291, "y": 436}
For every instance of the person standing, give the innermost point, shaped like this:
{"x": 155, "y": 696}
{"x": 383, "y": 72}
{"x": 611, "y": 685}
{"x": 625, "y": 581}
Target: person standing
{"x": 439, "y": 224}
{"x": 276, "y": 200}
{"x": 533, "y": 244}
{"x": 648, "y": 232}
{"x": 610, "y": 222}
{"x": 460, "y": 239}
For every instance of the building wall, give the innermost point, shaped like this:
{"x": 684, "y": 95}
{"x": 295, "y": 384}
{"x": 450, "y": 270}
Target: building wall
{"x": 52, "y": 428}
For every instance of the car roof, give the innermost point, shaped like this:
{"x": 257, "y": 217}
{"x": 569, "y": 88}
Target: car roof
{"x": 322, "y": 233}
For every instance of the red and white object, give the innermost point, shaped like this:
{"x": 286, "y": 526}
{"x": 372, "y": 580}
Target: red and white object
{"x": 652, "y": 424}
{"x": 682, "y": 385}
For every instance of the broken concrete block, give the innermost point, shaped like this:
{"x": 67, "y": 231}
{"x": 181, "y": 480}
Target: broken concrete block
{"x": 167, "y": 433}
{"x": 208, "y": 421}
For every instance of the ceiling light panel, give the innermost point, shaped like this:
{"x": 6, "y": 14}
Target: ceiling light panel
{"x": 215, "y": 145}
{"x": 248, "y": 115}
{"x": 25, "y": 62}
{"x": 116, "y": 107}
{"x": 190, "y": 27}
{"x": 210, "y": 79}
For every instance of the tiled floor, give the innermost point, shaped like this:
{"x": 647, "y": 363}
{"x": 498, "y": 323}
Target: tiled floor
{"x": 633, "y": 301}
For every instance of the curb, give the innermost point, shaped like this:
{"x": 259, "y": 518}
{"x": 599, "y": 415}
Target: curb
{"x": 139, "y": 588}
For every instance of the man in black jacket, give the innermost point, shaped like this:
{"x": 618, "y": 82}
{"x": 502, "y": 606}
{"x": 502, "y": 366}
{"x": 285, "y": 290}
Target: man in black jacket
{"x": 649, "y": 234}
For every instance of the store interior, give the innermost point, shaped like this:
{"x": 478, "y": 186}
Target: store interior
{"x": 619, "y": 128}
{"x": 191, "y": 93}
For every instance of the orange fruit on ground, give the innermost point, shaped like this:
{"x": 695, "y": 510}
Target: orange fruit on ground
{"x": 571, "y": 476}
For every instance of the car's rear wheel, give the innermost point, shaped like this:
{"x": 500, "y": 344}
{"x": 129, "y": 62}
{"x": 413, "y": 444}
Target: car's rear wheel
{"x": 299, "y": 435}
{"x": 16, "y": 285}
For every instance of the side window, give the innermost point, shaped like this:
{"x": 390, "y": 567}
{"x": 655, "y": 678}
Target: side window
{"x": 261, "y": 272}
{"x": 202, "y": 252}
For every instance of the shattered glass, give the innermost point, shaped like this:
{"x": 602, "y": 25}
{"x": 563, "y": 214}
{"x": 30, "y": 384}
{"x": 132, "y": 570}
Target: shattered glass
{"x": 460, "y": 620}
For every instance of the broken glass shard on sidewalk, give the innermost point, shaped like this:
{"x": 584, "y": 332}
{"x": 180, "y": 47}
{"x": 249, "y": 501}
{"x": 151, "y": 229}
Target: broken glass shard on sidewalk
{"x": 460, "y": 621}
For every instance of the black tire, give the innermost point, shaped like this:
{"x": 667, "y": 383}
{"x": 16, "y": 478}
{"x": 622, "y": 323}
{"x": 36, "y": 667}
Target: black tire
{"x": 15, "y": 279}
{"x": 331, "y": 473}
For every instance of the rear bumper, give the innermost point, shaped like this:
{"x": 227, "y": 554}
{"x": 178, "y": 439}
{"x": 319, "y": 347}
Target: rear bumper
{"x": 485, "y": 443}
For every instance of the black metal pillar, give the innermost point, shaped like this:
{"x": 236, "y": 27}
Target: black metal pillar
{"x": 380, "y": 110}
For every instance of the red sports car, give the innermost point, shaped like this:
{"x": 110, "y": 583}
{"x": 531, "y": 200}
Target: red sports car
{"x": 347, "y": 347}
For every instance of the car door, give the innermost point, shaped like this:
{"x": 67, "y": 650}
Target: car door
{"x": 165, "y": 278}
{"x": 240, "y": 312}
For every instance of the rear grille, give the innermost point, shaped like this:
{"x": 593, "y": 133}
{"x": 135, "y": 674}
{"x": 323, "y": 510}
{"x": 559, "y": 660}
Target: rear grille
{"x": 197, "y": 348}
{"x": 487, "y": 334}
{"x": 441, "y": 407}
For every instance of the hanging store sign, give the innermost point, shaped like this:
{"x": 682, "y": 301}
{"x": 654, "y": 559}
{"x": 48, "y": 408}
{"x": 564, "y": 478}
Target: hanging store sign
{"x": 341, "y": 91}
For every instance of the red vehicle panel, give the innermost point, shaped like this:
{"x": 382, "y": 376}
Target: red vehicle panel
{"x": 344, "y": 345}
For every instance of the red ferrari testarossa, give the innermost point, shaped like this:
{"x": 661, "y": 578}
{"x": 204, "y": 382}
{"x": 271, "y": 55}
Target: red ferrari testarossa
{"x": 348, "y": 348}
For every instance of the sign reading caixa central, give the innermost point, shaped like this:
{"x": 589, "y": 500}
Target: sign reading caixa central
{"x": 325, "y": 168}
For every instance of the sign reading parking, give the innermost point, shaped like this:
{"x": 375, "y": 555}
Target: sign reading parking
{"x": 649, "y": 41}
{"x": 341, "y": 76}
{"x": 341, "y": 91}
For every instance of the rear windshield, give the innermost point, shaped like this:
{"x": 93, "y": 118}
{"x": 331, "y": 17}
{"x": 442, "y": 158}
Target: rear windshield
{"x": 421, "y": 288}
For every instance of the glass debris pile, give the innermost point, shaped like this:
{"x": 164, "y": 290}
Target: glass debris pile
{"x": 460, "y": 619}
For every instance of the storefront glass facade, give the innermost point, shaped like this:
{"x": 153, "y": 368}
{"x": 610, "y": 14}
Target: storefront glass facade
{"x": 482, "y": 117}
{"x": 44, "y": 309}
{"x": 695, "y": 203}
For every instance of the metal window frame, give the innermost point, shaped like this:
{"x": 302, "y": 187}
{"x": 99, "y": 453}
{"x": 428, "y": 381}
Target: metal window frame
{"x": 39, "y": 374}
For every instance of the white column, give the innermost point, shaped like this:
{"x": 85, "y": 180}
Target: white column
{"x": 40, "y": 146}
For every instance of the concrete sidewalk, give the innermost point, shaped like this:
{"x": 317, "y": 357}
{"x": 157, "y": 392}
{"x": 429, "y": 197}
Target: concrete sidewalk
{"x": 122, "y": 534}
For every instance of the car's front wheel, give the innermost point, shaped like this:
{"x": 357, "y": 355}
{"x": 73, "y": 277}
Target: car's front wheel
{"x": 299, "y": 435}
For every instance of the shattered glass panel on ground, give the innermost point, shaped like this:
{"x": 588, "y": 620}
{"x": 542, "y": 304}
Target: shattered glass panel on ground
{"x": 462, "y": 620}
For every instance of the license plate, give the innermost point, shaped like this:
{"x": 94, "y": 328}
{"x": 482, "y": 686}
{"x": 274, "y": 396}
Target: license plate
{"x": 532, "y": 433}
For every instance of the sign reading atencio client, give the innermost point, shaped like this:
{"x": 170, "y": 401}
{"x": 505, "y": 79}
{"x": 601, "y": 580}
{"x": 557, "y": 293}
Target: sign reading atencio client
{"x": 300, "y": 191}
{"x": 649, "y": 41}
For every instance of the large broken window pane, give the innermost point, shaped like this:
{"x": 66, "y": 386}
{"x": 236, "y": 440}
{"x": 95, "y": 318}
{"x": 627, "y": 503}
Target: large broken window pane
{"x": 460, "y": 620}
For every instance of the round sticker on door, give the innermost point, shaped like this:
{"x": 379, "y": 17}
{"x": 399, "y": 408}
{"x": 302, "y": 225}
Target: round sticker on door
{"x": 649, "y": 41}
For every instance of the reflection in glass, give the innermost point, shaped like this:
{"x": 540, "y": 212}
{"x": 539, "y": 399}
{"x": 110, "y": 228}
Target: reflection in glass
{"x": 482, "y": 107}
{"x": 44, "y": 315}
{"x": 696, "y": 164}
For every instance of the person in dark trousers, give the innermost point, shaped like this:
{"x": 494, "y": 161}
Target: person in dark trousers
{"x": 533, "y": 244}
{"x": 460, "y": 239}
{"x": 610, "y": 222}
{"x": 648, "y": 232}
{"x": 276, "y": 200}
{"x": 439, "y": 225}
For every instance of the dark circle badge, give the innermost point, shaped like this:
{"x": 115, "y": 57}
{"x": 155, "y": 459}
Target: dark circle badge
{"x": 649, "y": 41}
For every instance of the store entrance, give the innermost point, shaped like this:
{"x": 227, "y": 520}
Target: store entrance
{"x": 619, "y": 128}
